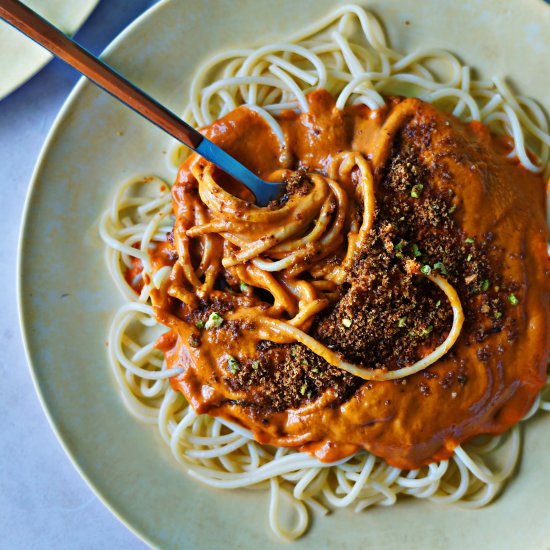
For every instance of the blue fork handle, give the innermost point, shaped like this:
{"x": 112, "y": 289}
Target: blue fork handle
{"x": 44, "y": 33}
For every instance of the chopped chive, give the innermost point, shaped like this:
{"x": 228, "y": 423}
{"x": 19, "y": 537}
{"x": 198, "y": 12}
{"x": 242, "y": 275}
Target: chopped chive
{"x": 452, "y": 209}
{"x": 315, "y": 370}
{"x": 255, "y": 365}
{"x": 485, "y": 285}
{"x": 399, "y": 248}
{"x": 234, "y": 364}
{"x": 303, "y": 389}
{"x": 416, "y": 251}
{"x": 199, "y": 324}
{"x": 304, "y": 362}
{"x": 469, "y": 240}
{"x": 469, "y": 258}
{"x": 416, "y": 191}
{"x": 427, "y": 330}
{"x": 441, "y": 267}
{"x": 243, "y": 286}
{"x": 347, "y": 322}
{"x": 512, "y": 298}
{"x": 426, "y": 269}
{"x": 438, "y": 303}
{"x": 402, "y": 322}
{"x": 498, "y": 314}
{"x": 214, "y": 321}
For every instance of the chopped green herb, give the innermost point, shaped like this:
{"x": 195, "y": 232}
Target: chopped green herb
{"x": 214, "y": 321}
{"x": 243, "y": 286}
{"x": 347, "y": 322}
{"x": 416, "y": 191}
{"x": 303, "y": 389}
{"x": 315, "y": 370}
{"x": 426, "y": 269}
{"x": 304, "y": 362}
{"x": 427, "y": 330}
{"x": 234, "y": 364}
{"x": 441, "y": 267}
{"x": 399, "y": 248}
{"x": 452, "y": 209}
{"x": 438, "y": 303}
{"x": 469, "y": 240}
{"x": 469, "y": 258}
{"x": 498, "y": 314}
{"x": 485, "y": 285}
{"x": 416, "y": 251}
{"x": 199, "y": 324}
{"x": 255, "y": 365}
{"x": 402, "y": 322}
{"x": 294, "y": 351}
{"x": 513, "y": 299}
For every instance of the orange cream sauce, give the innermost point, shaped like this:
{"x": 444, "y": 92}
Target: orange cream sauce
{"x": 390, "y": 419}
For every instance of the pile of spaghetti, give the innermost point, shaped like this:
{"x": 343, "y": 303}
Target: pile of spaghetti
{"x": 363, "y": 316}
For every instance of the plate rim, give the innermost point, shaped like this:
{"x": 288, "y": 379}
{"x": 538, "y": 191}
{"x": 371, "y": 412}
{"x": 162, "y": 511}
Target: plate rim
{"x": 24, "y": 325}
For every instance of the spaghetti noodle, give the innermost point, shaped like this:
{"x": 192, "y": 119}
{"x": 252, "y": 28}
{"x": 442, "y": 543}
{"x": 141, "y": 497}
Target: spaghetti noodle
{"x": 272, "y": 249}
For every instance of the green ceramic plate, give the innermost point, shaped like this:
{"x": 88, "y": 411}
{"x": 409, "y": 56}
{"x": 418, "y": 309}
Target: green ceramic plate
{"x": 67, "y": 298}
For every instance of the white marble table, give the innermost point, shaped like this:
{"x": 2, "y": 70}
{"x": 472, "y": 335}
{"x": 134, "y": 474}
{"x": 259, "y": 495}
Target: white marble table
{"x": 44, "y": 503}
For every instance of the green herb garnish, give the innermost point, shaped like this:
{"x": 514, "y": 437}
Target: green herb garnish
{"x": 427, "y": 330}
{"x": 438, "y": 303}
{"x": 485, "y": 285}
{"x": 426, "y": 269}
{"x": 243, "y": 286}
{"x": 214, "y": 321}
{"x": 399, "y": 248}
{"x": 199, "y": 324}
{"x": 416, "y": 251}
{"x": 303, "y": 389}
{"x": 441, "y": 267}
{"x": 512, "y": 298}
{"x": 402, "y": 322}
{"x": 234, "y": 364}
{"x": 255, "y": 365}
{"x": 469, "y": 240}
{"x": 416, "y": 191}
